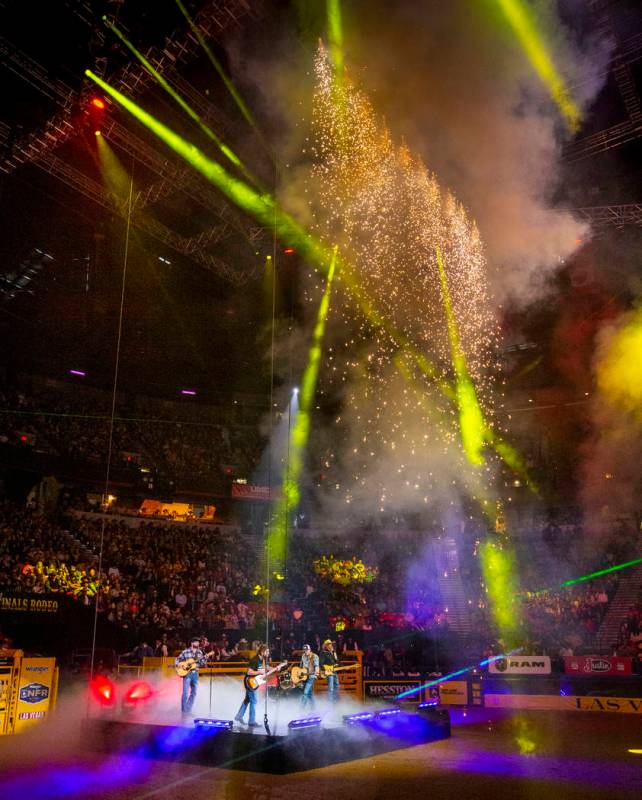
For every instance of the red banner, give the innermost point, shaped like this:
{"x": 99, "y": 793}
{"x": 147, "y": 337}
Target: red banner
{"x": 245, "y": 491}
{"x": 597, "y": 665}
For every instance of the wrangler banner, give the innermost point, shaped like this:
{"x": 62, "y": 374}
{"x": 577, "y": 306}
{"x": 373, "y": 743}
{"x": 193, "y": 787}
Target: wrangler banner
{"x": 36, "y": 692}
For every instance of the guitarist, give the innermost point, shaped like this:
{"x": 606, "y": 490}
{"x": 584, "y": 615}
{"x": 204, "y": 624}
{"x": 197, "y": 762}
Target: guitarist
{"x": 328, "y": 661}
{"x": 258, "y": 665}
{"x": 190, "y": 681}
{"x": 310, "y": 663}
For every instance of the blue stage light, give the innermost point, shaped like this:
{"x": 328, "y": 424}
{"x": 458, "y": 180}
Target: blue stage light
{"x": 387, "y": 712}
{"x": 358, "y": 719}
{"x": 432, "y": 703}
{"x": 225, "y": 724}
{"x": 305, "y": 722}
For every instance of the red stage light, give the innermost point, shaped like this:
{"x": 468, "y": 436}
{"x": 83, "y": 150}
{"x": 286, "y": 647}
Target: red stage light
{"x": 96, "y": 102}
{"x": 288, "y": 251}
{"x": 138, "y": 692}
{"x": 103, "y": 690}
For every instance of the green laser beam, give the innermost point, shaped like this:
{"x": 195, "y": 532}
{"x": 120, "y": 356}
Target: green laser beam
{"x": 522, "y": 20}
{"x": 160, "y": 79}
{"x": 300, "y": 433}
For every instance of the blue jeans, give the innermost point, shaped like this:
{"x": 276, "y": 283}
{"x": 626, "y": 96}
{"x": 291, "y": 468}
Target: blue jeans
{"x": 190, "y": 684}
{"x": 308, "y": 696}
{"x": 333, "y": 687}
{"x": 250, "y": 700}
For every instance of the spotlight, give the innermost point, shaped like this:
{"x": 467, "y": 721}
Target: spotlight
{"x": 98, "y": 103}
{"x": 358, "y": 719}
{"x": 103, "y": 691}
{"x": 138, "y": 692}
{"x": 98, "y": 133}
{"x": 220, "y": 724}
{"x": 304, "y": 723}
{"x": 288, "y": 251}
{"x": 189, "y": 392}
{"x": 295, "y": 391}
{"x": 77, "y": 372}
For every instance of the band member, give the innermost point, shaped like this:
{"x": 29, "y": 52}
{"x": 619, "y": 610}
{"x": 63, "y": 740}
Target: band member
{"x": 309, "y": 662}
{"x": 258, "y": 665}
{"x": 328, "y": 658}
{"x": 190, "y": 681}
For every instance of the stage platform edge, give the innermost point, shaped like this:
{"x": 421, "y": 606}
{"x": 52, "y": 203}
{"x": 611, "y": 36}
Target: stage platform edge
{"x": 259, "y": 752}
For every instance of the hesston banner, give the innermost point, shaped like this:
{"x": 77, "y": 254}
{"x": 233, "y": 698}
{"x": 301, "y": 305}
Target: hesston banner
{"x": 598, "y": 665}
{"x": 521, "y": 665}
{"x": 375, "y": 689}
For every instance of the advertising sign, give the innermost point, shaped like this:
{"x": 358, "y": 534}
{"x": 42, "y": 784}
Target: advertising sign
{"x": 246, "y": 491}
{"x": 29, "y": 604}
{"x": 542, "y": 702}
{"x": 36, "y": 691}
{"x": 597, "y": 665}
{"x": 521, "y": 665}
{"x": 373, "y": 690}
{"x": 617, "y": 705}
{"x": 453, "y": 693}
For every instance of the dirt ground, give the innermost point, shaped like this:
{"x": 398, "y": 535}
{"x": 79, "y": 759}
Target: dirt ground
{"x": 490, "y": 755}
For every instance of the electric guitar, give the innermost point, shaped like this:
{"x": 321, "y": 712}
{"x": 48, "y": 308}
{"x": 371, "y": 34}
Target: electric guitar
{"x": 256, "y": 681}
{"x": 330, "y": 669}
{"x": 185, "y": 667}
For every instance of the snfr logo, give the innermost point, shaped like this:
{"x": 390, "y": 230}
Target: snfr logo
{"x": 34, "y": 693}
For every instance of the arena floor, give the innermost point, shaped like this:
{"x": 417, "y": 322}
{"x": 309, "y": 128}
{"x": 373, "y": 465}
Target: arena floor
{"x": 571, "y": 755}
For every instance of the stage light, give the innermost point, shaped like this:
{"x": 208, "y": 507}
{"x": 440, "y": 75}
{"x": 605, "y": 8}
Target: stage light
{"x": 103, "y": 690}
{"x": 304, "y": 723}
{"x": 387, "y": 712}
{"x": 98, "y": 103}
{"x": 288, "y": 251}
{"x": 432, "y": 703}
{"x": 189, "y": 392}
{"x": 77, "y": 372}
{"x": 138, "y": 692}
{"x": 358, "y": 719}
{"x": 295, "y": 390}
{"x": 97, "y": 133}
{"x": 220, "y": 724}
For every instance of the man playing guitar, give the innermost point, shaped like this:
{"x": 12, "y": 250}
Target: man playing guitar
{"x": 328, "y": 662}
{"x": 257, "y": 668}
{"x": 187, "y": 665}
{"x": 309, "y": 663}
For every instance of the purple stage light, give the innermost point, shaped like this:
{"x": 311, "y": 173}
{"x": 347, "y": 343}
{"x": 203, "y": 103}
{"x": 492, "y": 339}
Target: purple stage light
{"x": 190, "y": 392}
{"x": 304, "y": 722}
{"x": 226, "y": 724}
{"x": 78, "y": 372}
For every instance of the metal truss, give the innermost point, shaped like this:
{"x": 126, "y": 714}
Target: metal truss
{"x": 193, "y": 247}
{"x": 214, "y": 18}
{"x": 630, "y": 214}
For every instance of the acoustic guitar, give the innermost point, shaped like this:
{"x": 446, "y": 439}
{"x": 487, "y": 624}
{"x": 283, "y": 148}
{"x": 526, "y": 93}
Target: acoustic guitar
{"x": 185, "y": 667}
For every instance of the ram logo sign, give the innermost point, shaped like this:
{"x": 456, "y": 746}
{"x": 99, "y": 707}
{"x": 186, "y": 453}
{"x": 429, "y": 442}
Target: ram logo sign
{"x": 521, "y": 665}
{"x": 34, "y": 693}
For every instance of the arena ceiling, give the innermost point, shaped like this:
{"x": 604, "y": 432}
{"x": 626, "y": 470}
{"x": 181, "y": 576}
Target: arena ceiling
{"x": 194, "y": 312}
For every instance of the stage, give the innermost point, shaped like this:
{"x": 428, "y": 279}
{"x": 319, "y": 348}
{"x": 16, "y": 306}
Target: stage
{"x": 254, "y": 750}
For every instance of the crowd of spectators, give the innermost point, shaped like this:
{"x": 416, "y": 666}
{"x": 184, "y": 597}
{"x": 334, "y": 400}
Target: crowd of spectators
{"x": 159, "y": 585}
{"x": 163, "y": 437}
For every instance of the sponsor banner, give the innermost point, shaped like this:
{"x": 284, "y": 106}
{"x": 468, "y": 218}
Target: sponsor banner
{"x": 29, "y": 604}
{"x": 245, "y": 491}
{"x": 373, "y": 690}
{"x": 617, "y": 705}
{"x": 35, "y": 691}
{"x": 598, "y": 665}
{"x": 536, "y": 702}
{"x": 453, "y": 693}
{"x": 545, "y": 702}
{"x": 521, "y": 665}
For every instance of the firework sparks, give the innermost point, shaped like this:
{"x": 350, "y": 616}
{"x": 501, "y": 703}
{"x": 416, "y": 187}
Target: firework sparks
{"x": 391, "y": 217}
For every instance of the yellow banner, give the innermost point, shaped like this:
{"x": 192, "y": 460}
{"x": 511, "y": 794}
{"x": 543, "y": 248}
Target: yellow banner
{"x": 36, "y": 692}
{"x": 453, "y": 693}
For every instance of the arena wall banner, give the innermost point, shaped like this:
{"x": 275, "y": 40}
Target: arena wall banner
{"x": 29, "y": 604}
{"x": 453, "y": 693}
{"x": 37, "y": 687}
{"x": 246, "y": 491}
{"x": 546, "y": 702}
{"x": 376, "y": 689}
{"x": 598, "y": 665}
{"x": 521, "y": 665}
